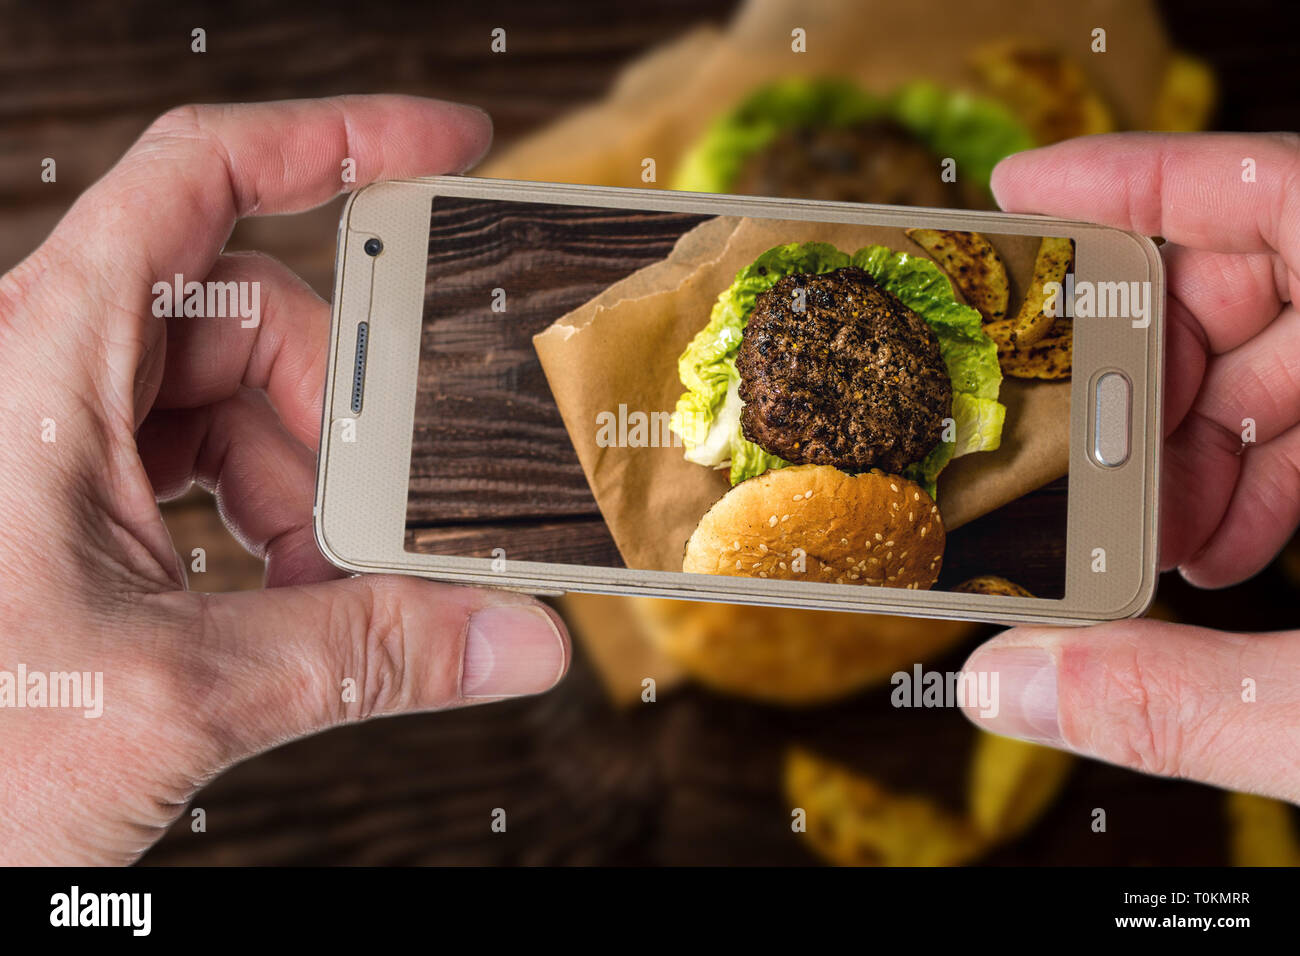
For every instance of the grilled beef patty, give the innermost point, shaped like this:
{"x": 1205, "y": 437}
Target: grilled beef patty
{"x": 855, "y": 380}
{"x": 875, "y": 162}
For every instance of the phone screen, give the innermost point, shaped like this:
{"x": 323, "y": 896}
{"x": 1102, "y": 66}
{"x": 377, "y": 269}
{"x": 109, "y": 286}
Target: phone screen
{"x": 842, "y": 404}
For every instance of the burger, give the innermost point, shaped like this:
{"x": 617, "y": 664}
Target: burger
{"x": 834, "y": 388}
{"x": 822, "y": 138}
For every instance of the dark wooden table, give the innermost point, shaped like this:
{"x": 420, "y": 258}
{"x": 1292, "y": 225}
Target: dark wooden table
{"x": 693, "y": 778}
{"x": 490, "y": 454}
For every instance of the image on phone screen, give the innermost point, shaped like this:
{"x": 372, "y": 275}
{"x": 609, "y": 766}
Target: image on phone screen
{"x": 836, "y": 403}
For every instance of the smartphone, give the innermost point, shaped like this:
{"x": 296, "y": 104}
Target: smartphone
{"x": 925, "y": 412}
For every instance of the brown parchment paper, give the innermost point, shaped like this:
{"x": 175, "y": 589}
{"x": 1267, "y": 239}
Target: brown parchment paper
{"x": 621, "y": 349}
{"x": 661, "y": 104}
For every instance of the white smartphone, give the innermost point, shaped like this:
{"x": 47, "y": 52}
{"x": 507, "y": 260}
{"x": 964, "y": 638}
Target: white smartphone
{"x": 810, "y": 404}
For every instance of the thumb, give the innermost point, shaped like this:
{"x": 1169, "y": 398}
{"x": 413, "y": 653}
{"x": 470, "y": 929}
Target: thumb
{"x": 285, "y": 662}
{"x": 1161, "y": 698}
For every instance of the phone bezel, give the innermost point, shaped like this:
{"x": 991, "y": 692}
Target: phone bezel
{"x": 361, "y": 492}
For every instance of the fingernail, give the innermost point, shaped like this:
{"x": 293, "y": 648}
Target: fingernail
{"x": 483, "y": 118}
{"x": 1026, "y": 693}
{"x": 511, "y": 650}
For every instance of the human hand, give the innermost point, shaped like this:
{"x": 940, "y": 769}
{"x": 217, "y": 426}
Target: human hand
{"x": 140, "y": 407}
{"x": 1168, "y": 699}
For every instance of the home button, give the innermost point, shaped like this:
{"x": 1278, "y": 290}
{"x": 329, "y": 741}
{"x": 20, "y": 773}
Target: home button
{"x": 1112, "y": 406}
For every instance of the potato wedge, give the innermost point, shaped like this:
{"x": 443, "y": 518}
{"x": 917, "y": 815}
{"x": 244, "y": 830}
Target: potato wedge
{"x": 992, "y": 584}
{"x": 1051, "y": 357}
{"x": 1187, "y": 97}
{"x": 1262, "y": 832}
{"x": 1012, "y": 783}
{"x": 1047, "y": 90}
{"x": 972, "y": 264}
{"x": 1054, "y": 260}
{"x": 853, "y": 821}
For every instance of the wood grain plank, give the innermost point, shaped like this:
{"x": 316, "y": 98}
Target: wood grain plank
{"x": 489, "y": 443}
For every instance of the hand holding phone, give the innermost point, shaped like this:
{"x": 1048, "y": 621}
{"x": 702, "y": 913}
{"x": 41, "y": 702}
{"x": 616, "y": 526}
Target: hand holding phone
{"x": 814, "y": 404}
{"x": 1178, "y": 699}
{"x": 124, "y": 687}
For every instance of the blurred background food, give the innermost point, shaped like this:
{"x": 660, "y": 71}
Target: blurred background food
{"x": 684, "y": 733}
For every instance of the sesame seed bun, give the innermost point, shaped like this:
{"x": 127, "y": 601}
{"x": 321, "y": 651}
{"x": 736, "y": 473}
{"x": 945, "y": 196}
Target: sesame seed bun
{"x": 815, "y": 523}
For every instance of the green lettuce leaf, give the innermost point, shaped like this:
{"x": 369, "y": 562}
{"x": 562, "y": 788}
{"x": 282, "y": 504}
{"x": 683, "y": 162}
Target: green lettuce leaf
{"x": 749, "y": 460}
{"x": 926, "y": 471}
{"x": 716, "y": 160}
{"x": 709, "y": 363}
{"x": 975, "y": 131}
{"x": 708, "y": 414}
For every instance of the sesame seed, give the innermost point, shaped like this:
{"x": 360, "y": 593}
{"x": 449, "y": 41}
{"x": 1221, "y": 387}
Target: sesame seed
{"x": 879, "y": 536}
{"x": 889, "y": 544}
{"x": 762, "y": 574}
{"x": 771, "y": 521}
{"x": 763, "y": 548}
{"x": 796, "y": 497}
{"x": 911, "y": 516}
{"x": 893, "y": 487}
{"x": 889, "y": 556}
{"x": 735, "y": 546}
{"x": 782, "y": 565}
{"x": 902, "y": 556}
{"x": 808, "y": 493}
{"x": 916, "y": 496}
{"x": 924, "y": 530}
{"x": 737, "y": 565}
{"x": 844, "y": 540}
{"x": 785, "y": 517}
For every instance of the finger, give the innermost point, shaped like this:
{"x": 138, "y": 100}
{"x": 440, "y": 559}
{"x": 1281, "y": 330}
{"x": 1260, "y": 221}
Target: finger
{"x": 262, "y": 477}
{"x": 285, "y": 353}
{"x": 203, "y": 167}
{"x": 1237, "y": 294}
{"x": 1202, "y": 463}
{"x": 291, "y": 661}
{"x": 1188, "y": 187}
{"x": 1160, "y": 698}
{"x": 1261, "y": 516}
{"x": 1185, "y": 360}
{"x": 1256, "y": 386}
{"x": 1230, "y": 472}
